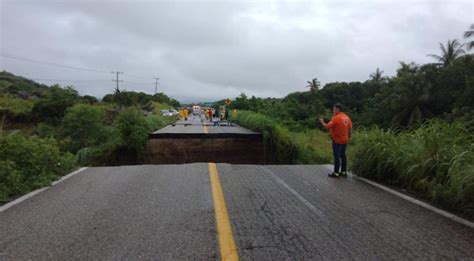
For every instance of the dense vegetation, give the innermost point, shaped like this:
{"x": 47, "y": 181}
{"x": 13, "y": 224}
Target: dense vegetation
{"x": 46, "y": 132}
{"x": 283, "y": 146}
{"x": 413, "y": 130}
{"x": 416, "y": 93}
{"x": 435, "y": 160}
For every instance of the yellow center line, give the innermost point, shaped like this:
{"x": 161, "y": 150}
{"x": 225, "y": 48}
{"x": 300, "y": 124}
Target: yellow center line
{"x": 205, "y": 129}
{"x": 228, "y": 248}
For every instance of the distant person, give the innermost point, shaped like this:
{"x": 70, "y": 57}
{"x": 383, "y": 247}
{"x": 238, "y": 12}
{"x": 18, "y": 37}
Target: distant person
{"x": 341, "y": 131}
{"x": 209, "y": 114}
{"x": 202, "y": 115}
{"x": 222, "y": 114}
{"x": 234, "y": 116}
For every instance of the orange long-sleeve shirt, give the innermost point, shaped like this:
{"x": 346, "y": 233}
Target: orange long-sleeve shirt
{"x": 340, "y": 125}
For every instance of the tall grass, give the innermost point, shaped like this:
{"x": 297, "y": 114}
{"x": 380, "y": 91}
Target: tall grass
{"x": 288, "y": 147}
{"x": 279, "y": 147}
{"x": 314, "y": 145}
{"x": 436, "y": 160}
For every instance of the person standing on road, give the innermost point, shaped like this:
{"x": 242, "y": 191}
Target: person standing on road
{"x": 341, "y": 131}
{"x": 234, "y": 116}
{"x": 209, "y": 114}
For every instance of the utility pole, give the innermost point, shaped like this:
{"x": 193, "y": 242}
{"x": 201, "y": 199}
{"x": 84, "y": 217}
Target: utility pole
{"x": 117, "y": 80}
{"x": 156, "y": 84}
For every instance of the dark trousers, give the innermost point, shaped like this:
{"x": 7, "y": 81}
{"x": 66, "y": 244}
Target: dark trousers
{"x": 339, "y": 152}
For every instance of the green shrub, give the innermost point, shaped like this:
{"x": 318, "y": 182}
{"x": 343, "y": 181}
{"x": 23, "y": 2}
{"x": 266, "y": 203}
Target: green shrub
{"x": 102, "y": 153}
{"x": 279, "y": 146}
{"x": 29, "y": 163}
{"x": 14, "y": 108}
{"x": 83, "y": 127}
{"x": 309, "y": 146}
{"x": 10, "y": 180}
{"x": 124, "y": 141}
{"x": 133, "y": 130}
{"x": 53, "y": 108}
{"x": 45, "y": 130}
{"x": 436, "y": 160}
{"x": 156, "y": 122}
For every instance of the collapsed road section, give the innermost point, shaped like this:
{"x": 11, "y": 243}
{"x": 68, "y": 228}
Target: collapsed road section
{"x": 192, "y": 141}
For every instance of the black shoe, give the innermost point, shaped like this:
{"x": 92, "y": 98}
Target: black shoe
{"x": 333, "y": 175}
{"x": 344, "y": 174}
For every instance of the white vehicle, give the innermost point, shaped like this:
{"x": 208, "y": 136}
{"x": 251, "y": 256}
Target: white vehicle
{"x": 196, "y": 110}
{"x": 166, "y": 113}
{"x": 174, "y": 112}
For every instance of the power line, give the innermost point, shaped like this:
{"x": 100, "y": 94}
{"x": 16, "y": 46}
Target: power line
{"x": 64, "y": 80}
{"x": 79, "y": 69}
{"x": 48, "y": 80}
{"x": 148, "y": 83}
{"x": 137, "y": 76}
{"x": 63, "y": 65}
{"x": 52, "y": 64}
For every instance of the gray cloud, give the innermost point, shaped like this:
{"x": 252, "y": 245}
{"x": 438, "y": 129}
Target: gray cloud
{"x": 212, "y": 50}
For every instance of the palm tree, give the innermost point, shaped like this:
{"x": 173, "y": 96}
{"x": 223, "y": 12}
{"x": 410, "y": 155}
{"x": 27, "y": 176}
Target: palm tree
{"x": 451, "y": 52}
{"x": 407, "y": 68}
{"x": 415, "y": 98}
{"x": 468, "y": 34}
{"x": 377, "y": 75}
{"x": 313, "y": 85}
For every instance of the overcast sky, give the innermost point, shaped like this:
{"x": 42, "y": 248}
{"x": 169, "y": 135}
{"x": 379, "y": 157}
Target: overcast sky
{"x": 209, "y": 50}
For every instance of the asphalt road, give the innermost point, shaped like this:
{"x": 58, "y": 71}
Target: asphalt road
{"x": 194, "y": 125}
{"x": 166, "y": 212}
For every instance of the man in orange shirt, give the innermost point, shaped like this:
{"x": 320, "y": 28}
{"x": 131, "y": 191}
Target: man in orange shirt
{"x": 341, "y": 131}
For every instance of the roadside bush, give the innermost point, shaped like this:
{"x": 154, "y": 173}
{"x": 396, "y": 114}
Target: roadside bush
{"x": 279, "y": 146}
{"x": 309, "y": 146}
{"x": 156, "y": 122}
{"x": 15, "y": 109}
{"x": 133, "y": 130}
{"x": 102, "y": 153}
{"x": 436, "y": 160}
{"x": 28, "y": 163}
{"x": 83, "y": 126}
{"x": 10, "y": 180}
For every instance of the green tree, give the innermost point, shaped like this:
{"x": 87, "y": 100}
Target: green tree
{"x": 14, "y": 109}
{"x": 468, "y": 34}
{"x": 407, "y": 68}
{"x": 241, "y": 102}
{"x": 83, "y": 127}
{"x": 377, "y": 76}
{"x": 53, "y": 108}
{"x": 108, "y": 98}
{"x": 415, "y": 95}
{"x": 313, "y": 85}
{"x": 89, "y": 99}
{"x": 449, "y": 53}
{"x": 133, "y": 129}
